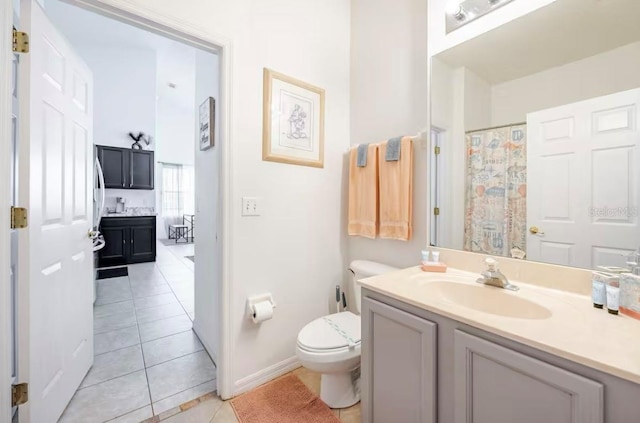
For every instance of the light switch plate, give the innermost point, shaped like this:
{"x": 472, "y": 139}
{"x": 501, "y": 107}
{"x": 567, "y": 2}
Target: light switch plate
{"x": 251, "y": 206}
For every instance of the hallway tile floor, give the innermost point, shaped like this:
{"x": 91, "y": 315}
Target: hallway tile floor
{"x": 147, "y": 358}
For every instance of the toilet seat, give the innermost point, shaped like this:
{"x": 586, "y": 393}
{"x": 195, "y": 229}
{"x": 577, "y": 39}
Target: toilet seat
{"x": 331, "y": 333}
{"x": 330, "y": 340}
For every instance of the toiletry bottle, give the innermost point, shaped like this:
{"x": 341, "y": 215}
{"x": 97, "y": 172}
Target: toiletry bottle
{"x": 613, "y": 294}
{"x": 598, "y": 289}
{"x": 435, "y": 255}
{"x": 425, "y": 257}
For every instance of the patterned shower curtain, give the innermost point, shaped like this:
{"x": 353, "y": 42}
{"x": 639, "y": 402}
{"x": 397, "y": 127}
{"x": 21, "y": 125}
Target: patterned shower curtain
{"x": 496, "y": 190}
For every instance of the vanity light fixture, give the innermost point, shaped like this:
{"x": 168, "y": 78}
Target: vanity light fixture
{"x": 460, "y": 15}
{"x": 455, "y": 9}
{"x": 461, "y": 12}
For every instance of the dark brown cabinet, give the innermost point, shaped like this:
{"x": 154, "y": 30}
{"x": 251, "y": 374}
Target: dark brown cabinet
{"x": 128, "y": 240}
{"x": 114, "y": 163}
{"x": 125, "y": 168}
{"x": 141, "y": 169}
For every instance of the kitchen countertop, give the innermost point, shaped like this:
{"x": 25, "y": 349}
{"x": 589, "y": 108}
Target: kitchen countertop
{"x": 575, "y": 330}
{"x": 130, "y": 215}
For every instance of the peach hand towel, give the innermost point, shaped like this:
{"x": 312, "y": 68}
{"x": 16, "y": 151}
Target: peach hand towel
{"x": 396, "y": 192}
{"x": 363, "y": 194}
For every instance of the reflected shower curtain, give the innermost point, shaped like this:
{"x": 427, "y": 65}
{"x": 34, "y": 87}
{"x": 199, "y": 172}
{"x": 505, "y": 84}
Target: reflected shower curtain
{"x": 496, "y": 189}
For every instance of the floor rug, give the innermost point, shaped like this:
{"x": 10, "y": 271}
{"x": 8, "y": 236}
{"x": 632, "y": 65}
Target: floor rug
{"x": 113, "y": 273}
{"x": 285, "y": 400}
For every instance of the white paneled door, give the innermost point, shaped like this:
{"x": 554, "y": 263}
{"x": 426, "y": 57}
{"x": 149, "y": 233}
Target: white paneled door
{"x": 584, "y": 181}
{"x": 56, "y": 149}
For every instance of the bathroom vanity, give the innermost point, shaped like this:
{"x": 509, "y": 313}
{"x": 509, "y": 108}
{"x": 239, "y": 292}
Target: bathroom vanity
{"x": 442, "y": 348}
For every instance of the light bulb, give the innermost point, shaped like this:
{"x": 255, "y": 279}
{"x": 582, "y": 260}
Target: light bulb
{"x": 454, "y": 6}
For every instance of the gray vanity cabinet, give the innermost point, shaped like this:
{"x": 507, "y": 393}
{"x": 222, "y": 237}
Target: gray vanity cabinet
{"x": 494, "y": 384}
{"x": 398, "y": 365}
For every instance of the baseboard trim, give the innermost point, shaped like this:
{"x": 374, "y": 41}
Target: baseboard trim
{"x": 198, "y": 330}
{"x": 265, "y": 375}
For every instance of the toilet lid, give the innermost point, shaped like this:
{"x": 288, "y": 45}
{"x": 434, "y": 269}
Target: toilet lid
{"x": 331, "y": 332}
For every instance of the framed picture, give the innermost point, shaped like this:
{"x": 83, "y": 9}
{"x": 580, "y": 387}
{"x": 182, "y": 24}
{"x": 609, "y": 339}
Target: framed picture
{"x": 293, "y": 121}
{"x": 207, "y": 122}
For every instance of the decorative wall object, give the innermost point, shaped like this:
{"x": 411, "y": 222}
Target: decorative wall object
{"x": 293, "y": 121}
{"x": 496, "y": 207}
{"x": 137, "y": 145}
{"x": 207, "y": 122}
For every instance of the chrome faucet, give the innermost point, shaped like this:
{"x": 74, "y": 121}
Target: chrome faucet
{"x": 494, "y": 277}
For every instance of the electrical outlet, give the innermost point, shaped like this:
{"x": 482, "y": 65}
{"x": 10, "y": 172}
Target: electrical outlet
{"x": 251, "y": 206}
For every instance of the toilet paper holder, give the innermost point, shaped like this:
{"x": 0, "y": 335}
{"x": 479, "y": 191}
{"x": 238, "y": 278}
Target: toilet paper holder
{"x": 258, "y": 299}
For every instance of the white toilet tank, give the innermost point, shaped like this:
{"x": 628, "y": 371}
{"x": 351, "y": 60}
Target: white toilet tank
{"x": 363, "y": 269}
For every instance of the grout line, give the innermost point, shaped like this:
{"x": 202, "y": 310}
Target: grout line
{"x": 118, "y": 349}
{"x": 184, "y": 390}
{"x": 110, "y": 379}
{"x": 128, "y": 412}
{"x": 176, "y": 358}
{"x": 146, "y": 375}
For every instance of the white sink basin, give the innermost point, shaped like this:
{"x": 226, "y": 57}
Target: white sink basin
{"x": 487, "y": 299}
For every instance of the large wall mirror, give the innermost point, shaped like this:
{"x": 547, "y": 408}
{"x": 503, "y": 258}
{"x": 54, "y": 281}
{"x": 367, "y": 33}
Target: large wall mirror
{"x": 538, "y": 128}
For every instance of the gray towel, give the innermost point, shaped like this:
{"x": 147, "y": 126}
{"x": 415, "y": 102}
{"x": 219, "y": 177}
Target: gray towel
{"x": 393, "y": 150}
{"x": 362, "y": 155}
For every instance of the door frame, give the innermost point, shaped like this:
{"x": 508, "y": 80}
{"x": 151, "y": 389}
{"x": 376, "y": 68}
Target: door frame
{"x": 6, "y": 53}
{"x": 171, "y": 27}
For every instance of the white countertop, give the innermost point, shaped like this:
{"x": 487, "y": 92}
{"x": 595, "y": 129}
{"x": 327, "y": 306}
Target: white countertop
{"x": 130, "y": 215}
{"x": 574, "y": 329}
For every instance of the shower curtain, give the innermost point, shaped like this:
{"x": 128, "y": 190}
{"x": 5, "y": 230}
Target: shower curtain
{"x": 496, "y": 189}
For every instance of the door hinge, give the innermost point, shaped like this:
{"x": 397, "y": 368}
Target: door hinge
{"x": 436, "y": 150}
{"x": 18, "y": 217}
{"x": 436, "y": 211}
{"x": 19, "y": 394}
{"x": 20, "y": 41}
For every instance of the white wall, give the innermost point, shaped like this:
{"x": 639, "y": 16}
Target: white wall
{"x": 606, "y": 73}
{"x": 388, "y": 99}
{"x": 208, "y": 275}
{"x": 439, "y": 40}
{"x": 176, "y": 113}
{"x": 468, "y": 108}
{"x": 176, "y": 132}
{"x": 295, "y": 249}
{"x": 124, "y": 101}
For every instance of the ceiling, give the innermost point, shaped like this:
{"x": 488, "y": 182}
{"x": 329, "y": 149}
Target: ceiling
{"x": 560, "y": 33}
{"x": 175, "y": 60}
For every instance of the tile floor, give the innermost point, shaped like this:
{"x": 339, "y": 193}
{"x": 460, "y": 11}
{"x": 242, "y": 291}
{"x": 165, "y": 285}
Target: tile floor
{"x": 147, "y": 359}
{"x": 214, "y": 410}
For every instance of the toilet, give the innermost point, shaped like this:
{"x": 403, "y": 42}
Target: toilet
{"x": 330, "y": 345}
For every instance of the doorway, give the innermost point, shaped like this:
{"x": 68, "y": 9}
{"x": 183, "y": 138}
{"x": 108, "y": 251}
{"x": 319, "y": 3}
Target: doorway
{"x": 149, "y": 277}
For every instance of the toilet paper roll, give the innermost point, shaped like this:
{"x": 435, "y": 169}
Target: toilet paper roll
{"x": 262, "y": 311}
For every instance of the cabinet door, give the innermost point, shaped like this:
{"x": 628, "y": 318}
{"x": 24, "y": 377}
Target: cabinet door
{"x": 114, "y": 163}
{"x": 494, "y": 384}
{"x": 141, "y": 169}
{"x": 116, "y": 248}
{"x": 398, "y": 366}
{"x": 143, "y": 243}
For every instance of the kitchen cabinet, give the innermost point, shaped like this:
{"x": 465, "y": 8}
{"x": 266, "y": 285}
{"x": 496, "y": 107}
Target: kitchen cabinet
{"x": 398, "y": 365}
{"x": 114, "y": 163}
{"x": 125, "y": 168}
{"x": 420, "y": 366}
{"x": 141, "y": 169}
{"x": 128, "y": 240}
